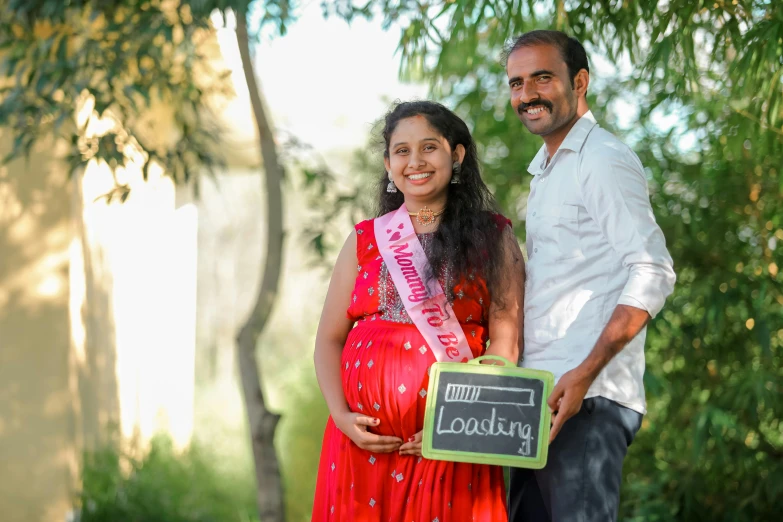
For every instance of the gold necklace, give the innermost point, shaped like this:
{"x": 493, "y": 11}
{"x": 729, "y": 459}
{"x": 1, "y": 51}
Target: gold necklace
{"x": 425, "y": 216}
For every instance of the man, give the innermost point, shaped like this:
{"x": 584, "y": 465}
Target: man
{"x": 598, "y": 270}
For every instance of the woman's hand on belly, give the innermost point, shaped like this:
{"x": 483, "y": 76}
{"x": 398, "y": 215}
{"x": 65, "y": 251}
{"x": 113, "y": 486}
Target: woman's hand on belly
{"x": 354, "y": 426}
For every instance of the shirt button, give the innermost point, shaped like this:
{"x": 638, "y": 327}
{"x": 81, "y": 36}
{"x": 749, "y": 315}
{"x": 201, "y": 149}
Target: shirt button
{"x": 534, "y": 213}
{"x": 535, "y": 250}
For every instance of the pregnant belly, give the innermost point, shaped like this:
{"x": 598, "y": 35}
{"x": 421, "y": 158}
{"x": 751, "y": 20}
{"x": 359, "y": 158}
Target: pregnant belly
{"x": 384, "y": 368}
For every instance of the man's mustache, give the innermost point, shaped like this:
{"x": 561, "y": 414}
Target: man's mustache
{"x": 525, "y": 106}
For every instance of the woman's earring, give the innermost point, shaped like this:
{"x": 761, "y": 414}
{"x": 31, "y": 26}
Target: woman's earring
{"x": 455, "y": 170}
{"x": 391, "y": 187}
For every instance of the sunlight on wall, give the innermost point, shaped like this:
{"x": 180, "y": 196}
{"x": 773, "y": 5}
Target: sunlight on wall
{"x": 144, "y": 252}
{"x": 39, "y": 282}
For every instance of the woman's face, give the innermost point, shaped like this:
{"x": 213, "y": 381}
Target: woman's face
{"x": 420, "y": 161}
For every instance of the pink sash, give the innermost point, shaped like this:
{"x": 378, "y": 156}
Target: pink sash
{"x": 425, "y": 303}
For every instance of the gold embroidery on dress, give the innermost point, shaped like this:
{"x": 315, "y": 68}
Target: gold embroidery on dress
{"x": 389, "y": 302}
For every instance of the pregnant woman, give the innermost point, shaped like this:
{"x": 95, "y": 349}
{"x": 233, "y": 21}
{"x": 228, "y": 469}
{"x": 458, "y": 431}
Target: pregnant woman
{"x": 435, "y": 277}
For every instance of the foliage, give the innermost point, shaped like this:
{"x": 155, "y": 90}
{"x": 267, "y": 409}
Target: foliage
{"x": 332, "y": 202}
{"x": 163, "y": 486}
{"x": 711, "y": 447}
{"x": 683, "y": 48}
{"x": 299, "y": 442}
{"x": 127, "y": 82}
{"x": 94, "y": 72}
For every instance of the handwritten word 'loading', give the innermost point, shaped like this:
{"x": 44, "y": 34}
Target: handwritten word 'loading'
{"x": 473, "y": 394}
{"x": 487, "y": 426}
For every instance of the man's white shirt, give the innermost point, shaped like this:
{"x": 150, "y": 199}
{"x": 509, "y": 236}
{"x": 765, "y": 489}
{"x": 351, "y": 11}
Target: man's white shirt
{"x": 592, "y": 243}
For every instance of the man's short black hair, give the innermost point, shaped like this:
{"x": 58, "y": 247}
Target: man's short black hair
{"x": 571, "y": 50}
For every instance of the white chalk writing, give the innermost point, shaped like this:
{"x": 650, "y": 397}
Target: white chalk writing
{"x": 493, "y": 426}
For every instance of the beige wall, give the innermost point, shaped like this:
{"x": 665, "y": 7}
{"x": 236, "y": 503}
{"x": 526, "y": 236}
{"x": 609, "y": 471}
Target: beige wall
{"x": 37, "y": 420}
{"x": 97, "y": 324}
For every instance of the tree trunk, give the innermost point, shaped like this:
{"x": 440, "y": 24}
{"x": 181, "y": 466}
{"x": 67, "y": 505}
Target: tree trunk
{"x": 261, "y": 421}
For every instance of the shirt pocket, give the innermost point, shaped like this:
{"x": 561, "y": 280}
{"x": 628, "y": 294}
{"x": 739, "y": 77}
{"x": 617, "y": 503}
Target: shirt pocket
{"x": 564, "y": 229}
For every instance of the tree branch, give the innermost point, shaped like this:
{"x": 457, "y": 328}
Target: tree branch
{"x": 261, "y": 421}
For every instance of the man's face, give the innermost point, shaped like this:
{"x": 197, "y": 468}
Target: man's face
{"x": 541, "y": 91}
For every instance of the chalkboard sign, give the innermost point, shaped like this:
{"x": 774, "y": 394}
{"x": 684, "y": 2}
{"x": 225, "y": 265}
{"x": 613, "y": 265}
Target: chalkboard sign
{"x": 488, "y": 414}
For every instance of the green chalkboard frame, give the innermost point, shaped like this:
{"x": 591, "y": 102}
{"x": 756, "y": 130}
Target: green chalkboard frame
{"x": 506, "y": 369}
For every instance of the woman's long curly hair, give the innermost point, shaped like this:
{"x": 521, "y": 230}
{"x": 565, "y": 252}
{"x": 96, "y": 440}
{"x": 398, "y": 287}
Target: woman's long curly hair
{"x": 468, "y": 238}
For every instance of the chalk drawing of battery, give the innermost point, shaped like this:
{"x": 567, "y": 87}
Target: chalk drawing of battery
{"x": 472, "y": 394}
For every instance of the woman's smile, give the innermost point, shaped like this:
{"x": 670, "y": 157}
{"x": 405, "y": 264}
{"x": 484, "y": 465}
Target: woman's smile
{"x": 418, "y": 178}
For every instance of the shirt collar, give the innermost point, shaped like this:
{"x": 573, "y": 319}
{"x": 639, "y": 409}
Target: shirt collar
{"x": 573, "y": 141}
{"x": 536, "y": 166}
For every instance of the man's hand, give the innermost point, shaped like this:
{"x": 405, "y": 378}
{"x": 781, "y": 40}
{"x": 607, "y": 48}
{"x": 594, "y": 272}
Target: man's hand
{"x": 566, "y": 399}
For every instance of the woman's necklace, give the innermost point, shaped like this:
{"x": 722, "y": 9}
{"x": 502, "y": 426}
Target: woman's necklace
{"x": 425, "y": 216}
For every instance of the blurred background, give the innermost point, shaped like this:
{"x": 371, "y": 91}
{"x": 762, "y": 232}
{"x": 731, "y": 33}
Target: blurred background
{"x": 178, "y": 175}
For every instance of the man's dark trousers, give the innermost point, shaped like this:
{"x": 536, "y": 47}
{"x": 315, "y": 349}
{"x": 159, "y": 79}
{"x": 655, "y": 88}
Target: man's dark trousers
{"x": 581, "y": 481}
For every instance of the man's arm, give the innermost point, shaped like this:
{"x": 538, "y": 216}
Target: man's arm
{"x": 625, "y": 324}
{"x": 614, "y": 192}
{"x": 566, "y": 399}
